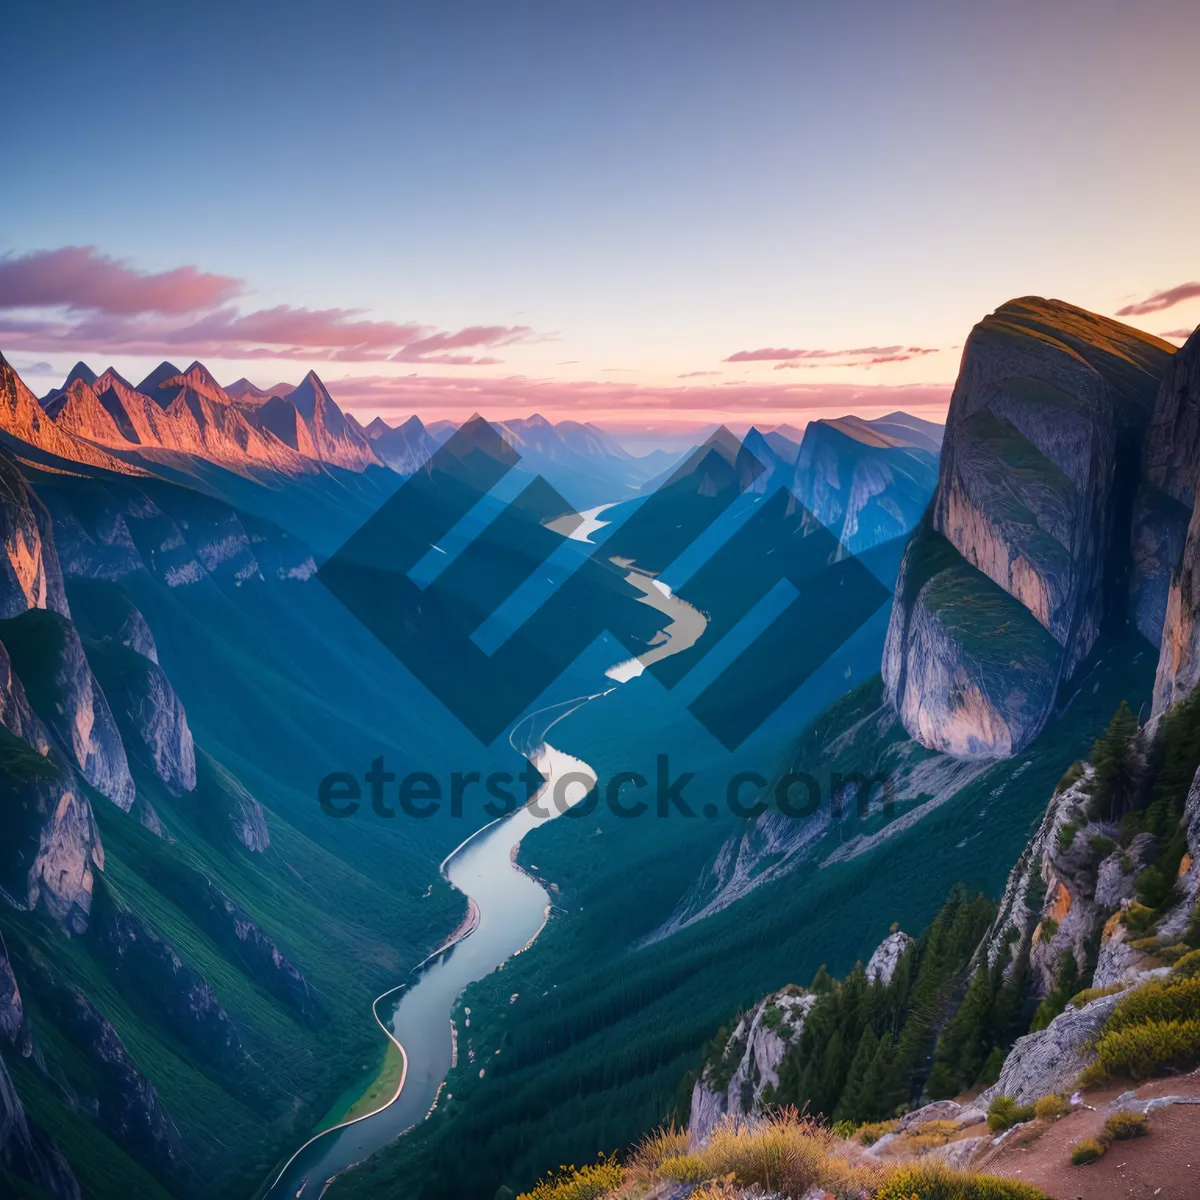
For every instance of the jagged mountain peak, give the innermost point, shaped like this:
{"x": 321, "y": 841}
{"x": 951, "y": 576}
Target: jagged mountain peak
{"x": 310, "y": 394}
{"x": 108, "y": 377}
{"x": 80, "y": 371}
{"x": 201, "y": 378}
{"x": 153, "y": 384}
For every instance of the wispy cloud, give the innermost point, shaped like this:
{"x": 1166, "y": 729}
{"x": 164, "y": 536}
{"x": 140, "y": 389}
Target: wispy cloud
{"x": 1160, "y": 301}
{"x": 76, "y": 299}
{"x": 1181, "y": 335}
{"x": 858, "y": 354}
{"x": 81, "y": 278}
{"x": 868, "y": 357}
{"x": 696, "y": 374}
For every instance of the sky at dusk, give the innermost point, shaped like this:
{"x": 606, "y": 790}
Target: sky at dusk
{"x": 622, "y": 212}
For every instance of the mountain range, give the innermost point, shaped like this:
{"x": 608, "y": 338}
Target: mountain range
{"x": 174, "y": 674}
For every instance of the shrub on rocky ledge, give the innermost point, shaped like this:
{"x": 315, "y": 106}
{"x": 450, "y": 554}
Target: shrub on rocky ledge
{"x": 1123, "y": 1126}
{"x": 936, "y": 1181}
{"x": 1086, "y": 1151}
{"x": 1004, "y": 1112}
{"x": 1049, "y": 1108}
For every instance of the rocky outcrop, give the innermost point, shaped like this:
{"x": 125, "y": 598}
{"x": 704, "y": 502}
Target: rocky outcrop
{"x": 1038, "y": 464}
{"x": 236, "y": 809}
{"x": 30, "y": 576}
{"x": 1076, "y": 908}
{"x": 1023, "y": 905}
{"x": 1051, "y": 1060}
{"x": 51, "y": 847}
{"x": 102, "y": 610}
{"x": 148, "y": 713}
{"x": 968, "y": 669}
{"x": 746, "y": 1074}
{"x": 961, "y": 1116}
{"x": 178, "y": 995}
{"x": 48, "y": 656}
{"x": 883, "y": 963}
{"x": 26, "y": 1151}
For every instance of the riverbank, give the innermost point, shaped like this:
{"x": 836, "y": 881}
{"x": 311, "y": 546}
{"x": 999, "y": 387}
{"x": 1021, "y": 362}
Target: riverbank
{"x": 359, "y": 1101}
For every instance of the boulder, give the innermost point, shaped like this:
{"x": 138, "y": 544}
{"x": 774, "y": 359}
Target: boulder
{"x": 1051, "y": 1060}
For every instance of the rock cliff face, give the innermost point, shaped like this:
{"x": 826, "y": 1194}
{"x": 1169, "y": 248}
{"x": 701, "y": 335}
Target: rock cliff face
{"x": 1171, "y": 488}
{"x": 1038, "y": 467}
{"x": 865, "y": 484}
{"x": 746, "y": 1073}
{"x": 47, "y": 654}
{"x": 1167, "y": 493}
{"x": 148, "y": 713}
{"x": 16, "y": 714}
{"x": 51, "y": 846}
{"x": 30, "y": 576}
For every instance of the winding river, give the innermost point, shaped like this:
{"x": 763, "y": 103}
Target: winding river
{"x": 508, "y": 909}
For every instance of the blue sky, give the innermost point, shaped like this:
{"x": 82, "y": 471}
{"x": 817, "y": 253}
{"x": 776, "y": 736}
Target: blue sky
{"x": 644, "y": 189}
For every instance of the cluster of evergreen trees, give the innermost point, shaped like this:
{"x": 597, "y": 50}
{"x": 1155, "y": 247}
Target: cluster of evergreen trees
{"x": 868, "y": 1050}
{"x": 865, "y": 1050}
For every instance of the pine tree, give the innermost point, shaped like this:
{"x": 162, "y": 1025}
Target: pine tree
{"x": 1117, "y": 760}
{"x": 855, "y": 1104}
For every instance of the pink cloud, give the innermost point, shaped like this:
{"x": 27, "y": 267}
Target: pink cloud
{"x": 81, "y": 278}
{"x": 886, "y": 354}
{"x": 696, "y": 374}
{"x": 1161, "y": 300}
{"x": 768, "y": 354}
{"x": 428, "y": 349}
{"x": 1181, "y": 335}
{"x": 93, "y": 302}
{"x": 332, "y": 334}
